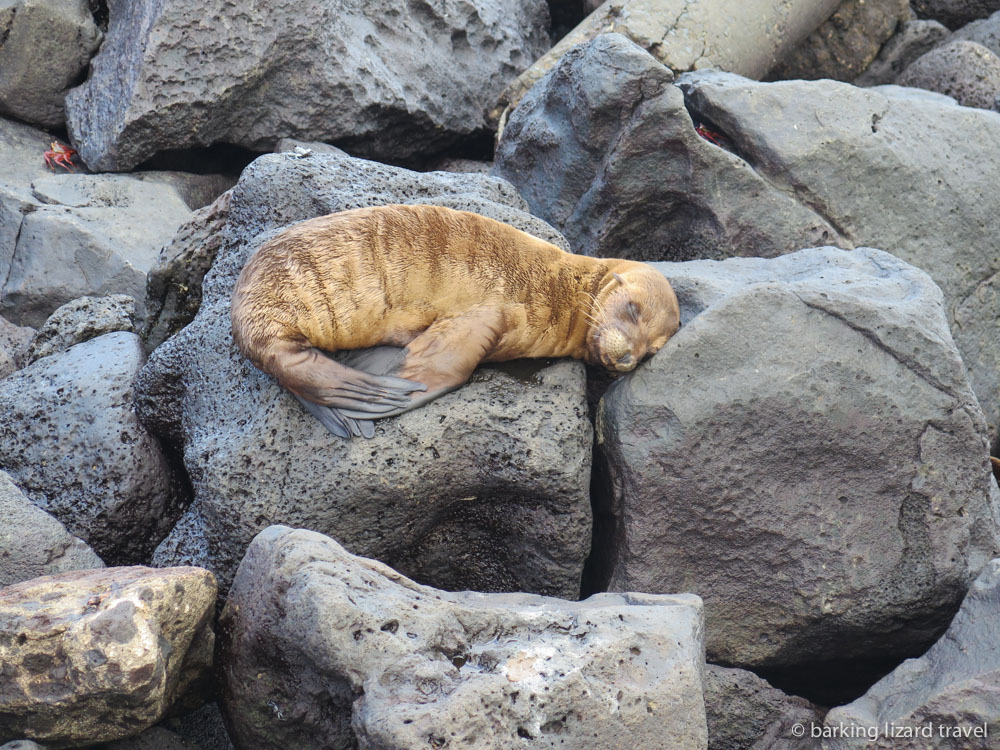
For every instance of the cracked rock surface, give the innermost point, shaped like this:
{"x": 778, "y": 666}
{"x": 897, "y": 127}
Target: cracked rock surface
{"x": 956, "y": 684}
{"x": 806, "y": 455}
{"x": 92, "y": 656}
{"x": 316, "y": 643}
{"x": 486, "y": 488}
{"x": 383, "y": 79}
{"x": 64, "y": 236}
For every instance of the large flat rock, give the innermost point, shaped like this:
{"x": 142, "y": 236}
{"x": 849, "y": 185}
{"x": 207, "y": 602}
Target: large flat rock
{"x": 321, "y": 644}
{"x": 806, "y": 455}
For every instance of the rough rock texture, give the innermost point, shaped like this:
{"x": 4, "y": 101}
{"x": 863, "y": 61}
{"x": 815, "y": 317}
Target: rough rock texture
{"x": 846, "y": 42}
{"x": 911, "y": 40}
{"x": 745, "y": 713}
{"x": 806, "y": 454}
{"x": 806, "y": 157}
{"x": 154, "y": 738}
{"x": 986, "y": 32}
{"x": 486, "y": 488}
{"x": 965, "y": 70}
{"x": 173, "y": 286}
{"x": 91, "y": 656}
{"x": 338, "y": 647}
{"x": 956, "y": 684}
{"x": 89, "y": 235}
{"x": 379, "y": 78}
{"x": 203, "y": 728}
{"x": 81, "y": 320}
{"x": 70, "y": 439}
{"x": 14, "y": 343}
{"x": 33, "y": 543}
{"x": 45, "y": 46}
{"x": 605, "y": 151}
{"x": 955, "y": 13}
{"x": 748, "y": 37}
{"x": 317, "y": 147}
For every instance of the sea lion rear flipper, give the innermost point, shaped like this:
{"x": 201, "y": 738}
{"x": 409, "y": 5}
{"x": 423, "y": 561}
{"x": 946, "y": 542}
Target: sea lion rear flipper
{"x": 316, "y": 377}
{"x": 336, "y": 422}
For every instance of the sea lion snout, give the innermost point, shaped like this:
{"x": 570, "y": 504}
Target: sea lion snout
{"x": 633, "y": 318}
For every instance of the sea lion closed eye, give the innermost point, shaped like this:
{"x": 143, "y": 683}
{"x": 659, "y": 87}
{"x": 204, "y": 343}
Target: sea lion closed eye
{"x": 453, "y": 288}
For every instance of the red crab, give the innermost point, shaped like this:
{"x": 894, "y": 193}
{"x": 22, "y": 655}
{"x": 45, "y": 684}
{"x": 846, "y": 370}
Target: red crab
{"x": 709, "y": 135}
{"x": 60, "y": 154}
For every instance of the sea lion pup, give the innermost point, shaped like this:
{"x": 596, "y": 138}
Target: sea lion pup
{"x": 453, "y": 288}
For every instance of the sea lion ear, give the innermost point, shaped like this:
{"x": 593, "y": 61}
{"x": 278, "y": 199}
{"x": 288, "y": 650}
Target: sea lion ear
{"x": 619, "y": 279}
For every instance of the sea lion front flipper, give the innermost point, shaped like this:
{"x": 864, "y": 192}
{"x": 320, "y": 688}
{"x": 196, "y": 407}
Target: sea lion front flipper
{"x": 444, "y": 356}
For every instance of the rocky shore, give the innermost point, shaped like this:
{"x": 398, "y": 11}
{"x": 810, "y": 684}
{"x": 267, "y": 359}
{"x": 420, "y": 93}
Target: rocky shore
{"x": 781, "y": 531}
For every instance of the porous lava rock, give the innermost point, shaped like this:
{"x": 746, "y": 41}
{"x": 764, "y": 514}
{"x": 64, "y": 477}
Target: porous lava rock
{"x": 322, "y": 649}
{"x": 71, "y": 440}
{"x": 485, "y": 488}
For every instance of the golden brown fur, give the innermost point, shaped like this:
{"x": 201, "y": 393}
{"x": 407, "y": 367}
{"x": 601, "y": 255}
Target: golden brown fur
{"x": 454, "y": 288}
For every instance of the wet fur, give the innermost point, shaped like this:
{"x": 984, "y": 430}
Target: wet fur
{"x": 453, "y": 288}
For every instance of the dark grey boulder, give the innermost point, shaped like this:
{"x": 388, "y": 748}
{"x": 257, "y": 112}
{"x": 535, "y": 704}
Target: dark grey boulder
{"x": 45, "y": 47}
{"x": 845, "y": 43}
{"x": 71, "y": 440}
{"x": 21, "y": 162}
{"x": 81, "y": 320}
{"x": 964, "y": 70}
{"x": 486, "y": 488}
{"x": 985, "y": 31}
{"x": 955, "y": 13}
{"x": 954, "y": 688}
{"x": 604, "y": 150}
{"x": 888, "y": 172}
{"x": 173, "y": 285}
{"x": 154, "y": 738}
{"x": 806, "y": 455}
{"x": 33, "y": 543}
{"x": 203, "y": 728}
{"x": 394, "y": 80}
{"x": 745, "y": 713}
{"x": 317, "y": 643}
{"x": 911, "y": 40}
{"x": 14, "y": 343}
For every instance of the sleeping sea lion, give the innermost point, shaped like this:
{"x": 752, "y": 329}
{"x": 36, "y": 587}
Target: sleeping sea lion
{"x": 451, "y": 288}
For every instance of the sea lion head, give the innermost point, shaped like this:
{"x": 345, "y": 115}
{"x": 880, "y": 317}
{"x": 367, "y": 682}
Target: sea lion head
{"x": 631, "y": 317}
